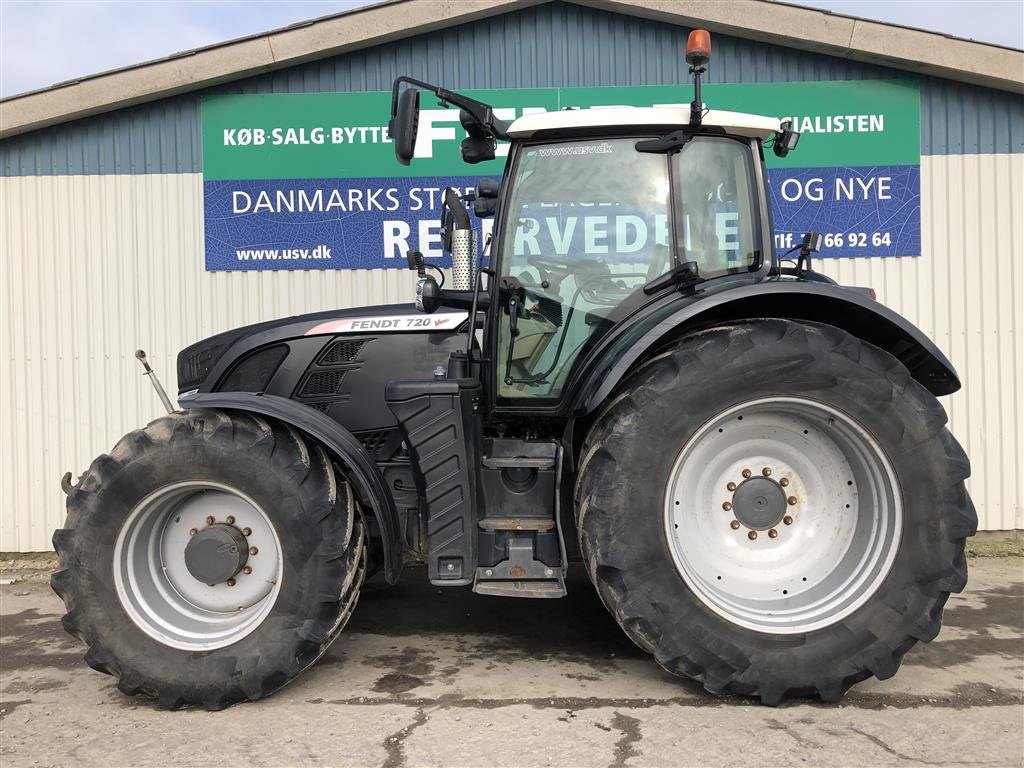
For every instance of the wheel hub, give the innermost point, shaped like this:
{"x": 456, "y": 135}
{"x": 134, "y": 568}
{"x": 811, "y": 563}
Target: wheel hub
{"x": 198, "y": 565}
{"x": 216, "y": 553}
{"x": 783, "y": 514}
{"x": 759, "y": 503}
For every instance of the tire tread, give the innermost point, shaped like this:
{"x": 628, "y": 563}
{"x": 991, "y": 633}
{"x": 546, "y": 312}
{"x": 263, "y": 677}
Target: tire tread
{"x": 683, "y": 651}
{"x": 317, "y": 478}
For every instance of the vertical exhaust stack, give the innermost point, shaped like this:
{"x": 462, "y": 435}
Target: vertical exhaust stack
{"x": 463, "y": 243}
{"x": 464, "y": 249}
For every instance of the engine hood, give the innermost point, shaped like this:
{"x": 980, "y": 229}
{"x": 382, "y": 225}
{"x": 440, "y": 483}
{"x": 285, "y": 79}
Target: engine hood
{"x": 200, "y": 362}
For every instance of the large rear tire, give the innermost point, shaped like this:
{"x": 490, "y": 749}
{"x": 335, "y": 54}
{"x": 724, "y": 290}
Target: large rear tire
{"x": 776, "y": 509}
{"x": 271, "y": 526}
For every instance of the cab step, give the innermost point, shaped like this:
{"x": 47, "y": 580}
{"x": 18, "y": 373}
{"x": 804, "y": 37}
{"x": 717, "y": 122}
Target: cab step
{"x": 520, "y": 575}
{"x": 528, "y": 462}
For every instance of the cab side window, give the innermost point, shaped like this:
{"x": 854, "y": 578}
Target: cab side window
{"x": 714, "y": 178}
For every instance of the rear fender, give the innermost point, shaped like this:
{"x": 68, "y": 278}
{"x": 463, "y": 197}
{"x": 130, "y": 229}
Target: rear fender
{"x": 853, "y": 311}
{"x": 364, "y": 475}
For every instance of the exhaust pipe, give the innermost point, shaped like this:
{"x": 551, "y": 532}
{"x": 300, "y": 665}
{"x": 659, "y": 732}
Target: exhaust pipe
{"x": 463, "y": 243}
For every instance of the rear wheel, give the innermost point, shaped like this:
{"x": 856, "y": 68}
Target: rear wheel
{"x": 797, "y": 516}
{"x": 210, "y": 558}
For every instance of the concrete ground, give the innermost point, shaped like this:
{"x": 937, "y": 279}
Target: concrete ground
{"x": 429, "y": 677}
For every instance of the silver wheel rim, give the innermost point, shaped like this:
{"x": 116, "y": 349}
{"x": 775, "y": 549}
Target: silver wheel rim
{"x": 160, "y": 594}
{"x": 837, "y": 538}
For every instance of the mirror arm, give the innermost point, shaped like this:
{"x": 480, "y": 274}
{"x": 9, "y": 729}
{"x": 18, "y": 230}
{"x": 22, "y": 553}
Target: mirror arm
{"x": 480, "y": 112}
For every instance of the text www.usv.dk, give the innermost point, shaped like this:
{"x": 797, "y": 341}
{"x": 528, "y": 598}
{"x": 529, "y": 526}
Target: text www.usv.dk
{"x": 274, "y": 254}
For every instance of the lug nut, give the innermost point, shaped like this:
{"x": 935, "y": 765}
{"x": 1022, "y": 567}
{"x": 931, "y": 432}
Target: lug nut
{"x": 210, "y": 520}
{"x": 730, "y": 487}
{"x": 253, "y": 551}
{"x": 772, "y": 533}
{"x": 752, "y": 535}
{"x": 726, "y": 505}
{"x": 231, "y": 582}
{"x": 767, "y": 471}
{"x": 247, "y": 531}
{"x": 787, "y": 520}
{"x": 193, "y": 532}
{"x": 746, "y": 473}
{"x": 791, "y": 500}
{"x": 784, "y": 482}
{"x": 734, "y": 524}
{"x": 247, "y": 570}
{"x": 230, "y": 520}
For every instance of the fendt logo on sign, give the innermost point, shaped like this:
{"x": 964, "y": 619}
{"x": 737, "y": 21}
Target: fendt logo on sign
{"x": 310, "y": 181}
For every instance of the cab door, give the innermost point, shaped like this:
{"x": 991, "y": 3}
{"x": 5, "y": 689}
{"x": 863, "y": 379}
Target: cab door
{"x": 585, "y": 225}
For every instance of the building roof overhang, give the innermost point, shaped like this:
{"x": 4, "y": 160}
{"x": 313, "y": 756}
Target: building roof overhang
{"x": 912, "y": 50}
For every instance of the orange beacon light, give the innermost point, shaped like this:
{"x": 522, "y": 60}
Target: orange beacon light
{"x": 698, "y": 48}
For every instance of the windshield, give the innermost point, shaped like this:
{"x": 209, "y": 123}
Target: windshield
{"x": 589, "y": 223}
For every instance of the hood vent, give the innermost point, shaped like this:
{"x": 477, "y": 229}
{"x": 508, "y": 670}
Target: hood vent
{"x": 322, "y": 384}
{"x": 342, "y": 351}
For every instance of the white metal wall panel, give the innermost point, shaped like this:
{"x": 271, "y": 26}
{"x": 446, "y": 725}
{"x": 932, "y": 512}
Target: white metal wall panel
{"x": 94, "y": 267}
{"x": 966, "y": 293}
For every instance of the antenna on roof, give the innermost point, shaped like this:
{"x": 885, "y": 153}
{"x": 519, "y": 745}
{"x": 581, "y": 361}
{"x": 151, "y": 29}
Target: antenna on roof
{"x": 698, "y": 53}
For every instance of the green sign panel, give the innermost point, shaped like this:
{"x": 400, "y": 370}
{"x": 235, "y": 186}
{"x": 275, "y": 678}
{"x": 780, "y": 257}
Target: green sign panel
{"x": 343, "y": 135}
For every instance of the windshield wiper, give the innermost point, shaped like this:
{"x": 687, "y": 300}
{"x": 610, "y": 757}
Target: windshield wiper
{"x": 670, "y": 142}
{"x": 684, "y": 275}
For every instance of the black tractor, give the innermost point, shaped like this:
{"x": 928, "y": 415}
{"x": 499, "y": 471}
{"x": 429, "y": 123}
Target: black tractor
{"x": 751, "y": 457}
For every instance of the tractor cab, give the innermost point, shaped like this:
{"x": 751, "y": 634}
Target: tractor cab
{"x": 602, "y": 213}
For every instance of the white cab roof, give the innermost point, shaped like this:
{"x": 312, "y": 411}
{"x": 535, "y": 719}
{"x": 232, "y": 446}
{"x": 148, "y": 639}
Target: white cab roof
{"x": 738, "y": 123}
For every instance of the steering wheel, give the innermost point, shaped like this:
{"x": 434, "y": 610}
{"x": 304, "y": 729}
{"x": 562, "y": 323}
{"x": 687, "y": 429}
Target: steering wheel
{"x": 551, "y": 270}
{"x": 558, "y": 269}
{"x": 608, "y": 289}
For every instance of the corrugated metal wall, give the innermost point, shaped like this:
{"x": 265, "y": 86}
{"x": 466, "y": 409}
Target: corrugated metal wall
{"x": 966, "y": 294}
{"x": 101, "y": 243}
{"x": 103, "y": 265}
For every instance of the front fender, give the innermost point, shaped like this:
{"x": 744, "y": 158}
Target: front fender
{"x": 362, "y": 472}
{"x": 854, "y": 312}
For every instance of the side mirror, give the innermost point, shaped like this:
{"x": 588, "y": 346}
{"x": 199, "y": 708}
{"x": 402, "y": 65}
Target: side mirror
{"x": 403, "y": 126}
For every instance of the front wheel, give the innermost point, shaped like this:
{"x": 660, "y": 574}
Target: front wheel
{"x": 797, "y": 515}
{"x": 209, "y": 558}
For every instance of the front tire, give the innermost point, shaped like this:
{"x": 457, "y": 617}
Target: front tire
{"x": 798, "y": 552}
{"x": 284, "y": 558}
